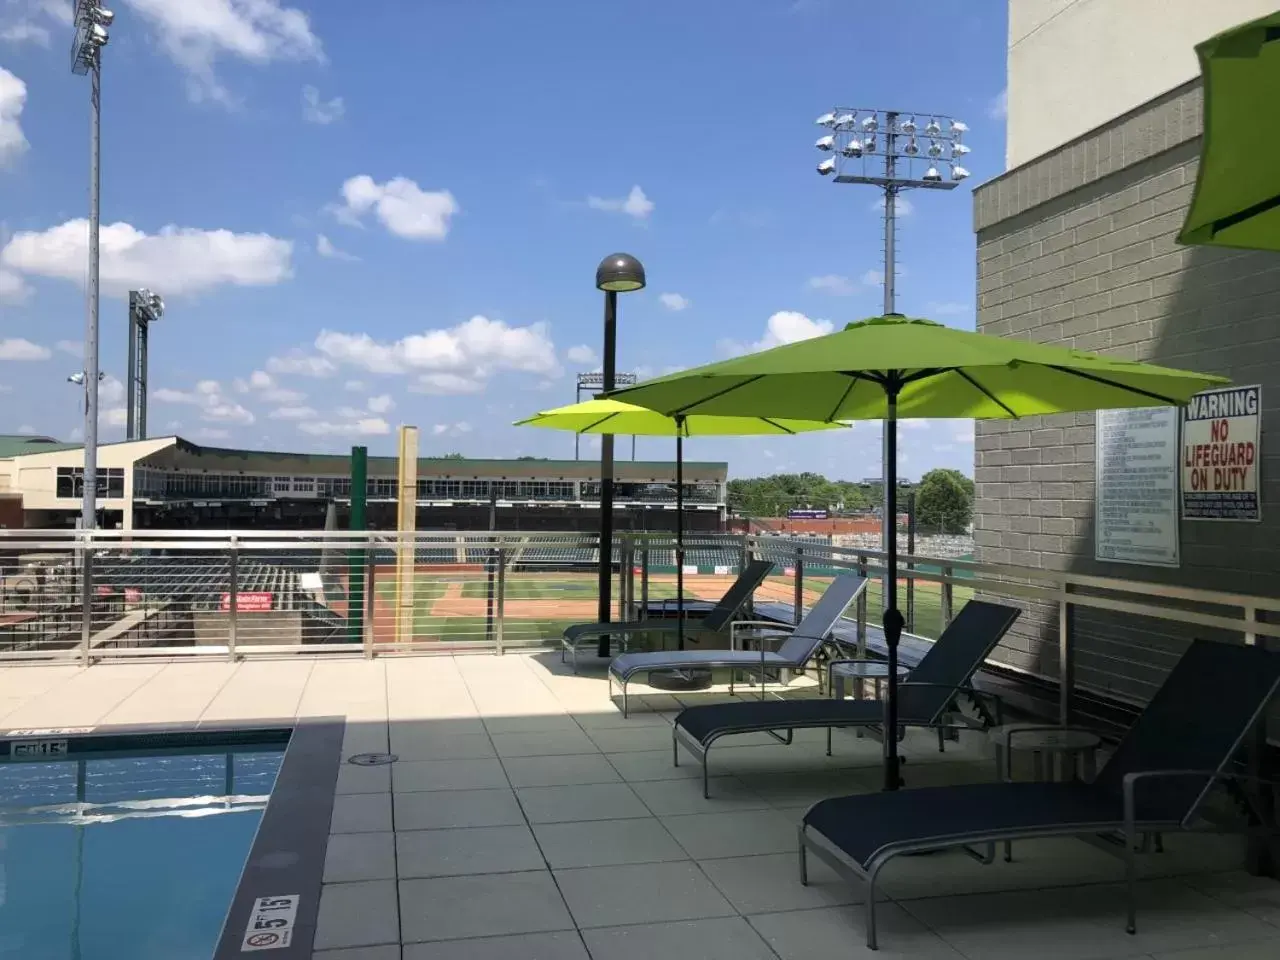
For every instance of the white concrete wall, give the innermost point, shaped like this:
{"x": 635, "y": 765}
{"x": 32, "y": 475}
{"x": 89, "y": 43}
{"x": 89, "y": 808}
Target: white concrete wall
{"x": 1076, "y": 64}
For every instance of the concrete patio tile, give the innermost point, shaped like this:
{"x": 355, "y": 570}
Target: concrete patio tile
{"x": 727, "y": 938}
{"x": 455, "y": 908}
{"x": 673, "y": 797}
{"x": 388, "y": 951}
{"x": 651, "y": 765}
{"x": 1074, "y": 923}
{"x": 738, "y": 833}
{"x": 548, "y": 723}
{"x": 631, "y": 739}
{"x": 839, "y": 932}
{"x": 361, "y": 813}
{"x": 364, "y": 738}
{"x": 443, "y": 809}
{"x": 600, "y": 843}
{"x": 555, "y": 743}
{"x": 479, "y": 774}
{"x": 357, "y": 914}
{"x": 610, "y": 718}
{"x": 770, "y": 883}
{"x": 528, "y": 946}
{"x": 1259, "y": 896}
{"x": 353, "y": 778}
{"x": 640, "y": 893}
{"x": 587, "y": 801}
{"x": 802, "y": 787}
{"x": 560, "y": 771}
{"x": 1257, "y": 950}
{"x": 360, "y": 856}
{"x": 438, "y": 728}
{"x": 448, "y": 853}
{"x": 423, "y": 746}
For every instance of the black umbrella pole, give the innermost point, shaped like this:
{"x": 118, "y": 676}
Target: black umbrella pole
{"x": 893, "y": 621}
{"x": 680, "y": 533}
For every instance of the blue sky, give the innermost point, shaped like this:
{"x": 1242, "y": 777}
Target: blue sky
{"x": 391, "y": 212}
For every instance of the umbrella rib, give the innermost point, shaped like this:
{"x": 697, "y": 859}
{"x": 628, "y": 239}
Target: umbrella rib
{"x": 1246, "y": 214}
{"x": 987, "y": 393}
{"x": 853, "y": 382}
{"x": 775, "y": 423}
{"x": 591, "y": 426}
{"x": 717, "y": 395}
{"x": 1111, "y": 383}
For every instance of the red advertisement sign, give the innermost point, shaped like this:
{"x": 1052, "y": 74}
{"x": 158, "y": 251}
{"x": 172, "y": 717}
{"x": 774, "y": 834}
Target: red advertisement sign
{"x": 132, "y": 595}
{"x": 250, "y": 602}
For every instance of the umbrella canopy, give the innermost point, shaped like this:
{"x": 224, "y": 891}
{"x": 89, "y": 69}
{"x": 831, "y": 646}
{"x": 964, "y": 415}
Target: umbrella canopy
{"x": 614, "y": 416}
{"x": 1237, "y": 197}
{"x": 894, "y": 366}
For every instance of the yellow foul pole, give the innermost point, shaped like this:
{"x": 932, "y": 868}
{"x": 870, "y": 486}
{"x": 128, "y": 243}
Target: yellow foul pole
{"x": 406, "y": 525}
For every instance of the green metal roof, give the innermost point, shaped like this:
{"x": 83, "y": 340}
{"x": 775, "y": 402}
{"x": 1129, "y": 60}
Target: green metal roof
{"x": 16, "y": 445}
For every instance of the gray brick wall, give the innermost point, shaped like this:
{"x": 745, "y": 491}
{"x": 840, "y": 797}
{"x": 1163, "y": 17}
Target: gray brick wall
{"x": 1077, "y": 248}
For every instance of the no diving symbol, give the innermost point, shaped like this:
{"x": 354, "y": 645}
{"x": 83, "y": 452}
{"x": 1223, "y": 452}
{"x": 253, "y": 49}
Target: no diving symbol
{"x": 262, "y": 939}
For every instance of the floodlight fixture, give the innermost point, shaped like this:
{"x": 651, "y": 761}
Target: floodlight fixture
{"x": 869, "y": 145}
{"x": 959, "y": 149}
{"x": 935, "y": 148}
{"x": 101, "y": 16}
{"x": 932, "y": 175}
{"x": 958, "y": 127}
{"x": 911, "y": 148}
{"x": 826, "y": 120}
{"x": 908, "y": 126}
{"x": 827, "y": 167}
{"x": 932, "y": 128}
{"x": 827, "y": 143}
{"x": 870, "y": 124}
{"x": 851, "y": 149}
{"x": 958, "y": 172}
{"x": 846, "y": 121}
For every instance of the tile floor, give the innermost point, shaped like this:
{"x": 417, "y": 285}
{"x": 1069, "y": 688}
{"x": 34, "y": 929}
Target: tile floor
{"x": 526, "y": 820}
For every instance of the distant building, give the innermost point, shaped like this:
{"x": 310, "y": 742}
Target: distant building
{"x": 170, "y": 482}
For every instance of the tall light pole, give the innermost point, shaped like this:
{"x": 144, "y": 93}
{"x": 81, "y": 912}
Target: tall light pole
{"x": 617, "y": 273}
{"x": 91, "y": 22}
{"x": 590, "y": 383}
{"x": 894, "y": 151}
{"x": 145, "y": 308}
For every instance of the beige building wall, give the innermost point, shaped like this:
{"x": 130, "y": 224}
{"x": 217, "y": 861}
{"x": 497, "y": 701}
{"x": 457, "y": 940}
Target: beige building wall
{"x": 1077, "y": 64}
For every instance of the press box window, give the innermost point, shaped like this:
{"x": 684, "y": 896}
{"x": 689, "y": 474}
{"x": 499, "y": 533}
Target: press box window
{"x": 70, "y": 483}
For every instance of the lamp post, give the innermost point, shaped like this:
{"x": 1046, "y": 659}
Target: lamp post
{"x": 91, "y": 22}
{"x": 891, "y": 150}
{"x": 617, "y": 273}
{"x": 145, "y": 308}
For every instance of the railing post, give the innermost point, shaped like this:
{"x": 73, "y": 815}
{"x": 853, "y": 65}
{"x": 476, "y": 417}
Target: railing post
{"x": 948, "y": 595}
{"x": 86, "y": 597}
{"x": 862, "y": 608}
{"x": 233, "y": 591}
{"x": 1250, "y": 617}
{"x": 500, "y": 604}
{"x": 366, "y": 634}
{"x": 644, "y": 583}
{"x": 798, "y": 601}
{"x": 1066, "y": 656}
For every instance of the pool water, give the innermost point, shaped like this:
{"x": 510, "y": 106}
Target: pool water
{"x": 108, "y": 856}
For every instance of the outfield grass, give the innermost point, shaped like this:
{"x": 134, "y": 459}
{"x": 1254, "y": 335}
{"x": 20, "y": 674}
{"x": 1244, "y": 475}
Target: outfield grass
{"x": 570, "y": 587}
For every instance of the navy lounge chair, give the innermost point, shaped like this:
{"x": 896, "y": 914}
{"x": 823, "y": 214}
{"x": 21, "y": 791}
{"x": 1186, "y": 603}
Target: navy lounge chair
{"x": 1156, "y": 781}
{"x": 713, "y": 621}
{"x": 802, "y": 642}
{"x": 936, "y": 683}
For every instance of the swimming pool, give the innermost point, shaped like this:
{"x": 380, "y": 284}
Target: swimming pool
{"x": 108, "y": 852}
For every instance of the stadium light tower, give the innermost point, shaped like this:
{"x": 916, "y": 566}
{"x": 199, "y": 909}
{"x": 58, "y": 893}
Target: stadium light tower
{"x": 91, "y": 22}
{"x": 145, "y": 307}
{"x": 591, "y": 384}
{"x": 894, "y": 150}
{"x": 617, "y": 273}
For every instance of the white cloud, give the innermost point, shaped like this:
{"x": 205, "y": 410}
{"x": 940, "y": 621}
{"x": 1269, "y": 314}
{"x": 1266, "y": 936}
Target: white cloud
{"x": 26, "y": 429}
{"x": 355, "y": 386}
{"x": 902, "y": 207}
{"x": 12, "y": 287}
{"x": 366, "y": 427}
{"x": 673, "y": 301}
{"x": 635, "y": 204}
{"x": 914, "y": 424}
{"x": 582, "y": 355}
{"x": 873, "y": 278}
{"x": 451, "y": 429}
{"x": 301, "y": 363}
{"x": 74, "y": 348}
{"x": 111, "y": 390}
{"x": 31, "y": 21}
{"x": 17, "y": 348}
{"x": 13, "y": 97}
{"x": 184, "y": 259}
{"x": 213, "y": 403}
{"x": 114, "y": 416}
{"x": 323, "y": 112}
{"x": 965, "y": 435}
{"x": 998, "y": 107}
{"x": 458, "y": 359}
{"x": 292, "y": 413}
{"x": 268, "y": 389}
{"x": 400, "y": 205}
{"x": 197, "y": 33}
{"x": 382, "y": 403}
{"x": 785, "y": 326}
{"x": 212, "y": 433}
{"x": 832, "y": 283}
{"x": 325, "y": 247}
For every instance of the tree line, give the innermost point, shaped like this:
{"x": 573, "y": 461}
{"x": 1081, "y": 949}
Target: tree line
{"x": 944, "y": 498}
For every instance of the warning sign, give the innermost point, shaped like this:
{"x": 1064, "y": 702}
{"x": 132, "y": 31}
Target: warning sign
{"x": 271, "y": 923}
{"x": 1221, "y": 455}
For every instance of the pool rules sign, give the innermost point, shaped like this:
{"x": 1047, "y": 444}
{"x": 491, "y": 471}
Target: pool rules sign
{"x": 1221, "y": 455}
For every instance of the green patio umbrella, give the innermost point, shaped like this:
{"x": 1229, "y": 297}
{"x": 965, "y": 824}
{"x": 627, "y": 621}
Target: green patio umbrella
{"x": 1237, "y": 197}
{"x": 616, "y": 417}
{"x": 893, "y": 366}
